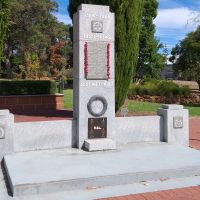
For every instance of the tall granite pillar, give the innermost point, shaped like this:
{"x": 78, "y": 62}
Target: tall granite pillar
{"x": 94, "y": 90}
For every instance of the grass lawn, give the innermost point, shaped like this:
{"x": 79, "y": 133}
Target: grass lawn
{"x": 136, "y": 106}
{"x": 133, "y": 106}
{"x": 68, "y": 99}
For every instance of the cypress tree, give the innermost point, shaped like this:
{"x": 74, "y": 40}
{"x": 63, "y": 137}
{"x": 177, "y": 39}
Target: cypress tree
{"x": 128, "y": 15}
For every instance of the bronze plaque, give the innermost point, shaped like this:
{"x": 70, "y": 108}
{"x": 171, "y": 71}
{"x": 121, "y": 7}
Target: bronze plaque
{"x": 97, "y": 128}
{"x": 97, "y": 61}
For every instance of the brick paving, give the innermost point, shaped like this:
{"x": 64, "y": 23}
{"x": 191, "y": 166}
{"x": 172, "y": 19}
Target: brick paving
{"x": 195, "y": 133}
{"x": 190, "y": 193}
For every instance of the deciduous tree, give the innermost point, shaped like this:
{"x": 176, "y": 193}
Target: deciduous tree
{"x": 186, "y": 57}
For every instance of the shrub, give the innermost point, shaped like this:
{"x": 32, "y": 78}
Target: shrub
{"x": 154, "y": 87}
{"x": 27, "y": 87}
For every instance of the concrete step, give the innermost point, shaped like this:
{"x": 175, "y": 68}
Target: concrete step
{"x": 63, "y": 170}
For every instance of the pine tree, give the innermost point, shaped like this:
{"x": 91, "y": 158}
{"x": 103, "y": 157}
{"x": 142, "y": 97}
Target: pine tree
{"x": 128, "y": 15}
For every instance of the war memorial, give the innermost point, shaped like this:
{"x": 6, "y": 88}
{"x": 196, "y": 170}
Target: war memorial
{"x": 95, "y": 150}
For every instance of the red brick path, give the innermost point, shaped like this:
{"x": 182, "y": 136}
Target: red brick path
{"x": 195, "y": 133}
{"x": 190, "y": 193}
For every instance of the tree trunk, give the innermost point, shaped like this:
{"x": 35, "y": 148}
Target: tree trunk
{"x": 26, "y": 63}
{"x": 198, "y": 82}
{"x": 8, "y": 54}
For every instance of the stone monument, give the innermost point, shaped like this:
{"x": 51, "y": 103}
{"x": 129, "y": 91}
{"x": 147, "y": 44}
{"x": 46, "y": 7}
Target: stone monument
{"x": 94, "y": 81}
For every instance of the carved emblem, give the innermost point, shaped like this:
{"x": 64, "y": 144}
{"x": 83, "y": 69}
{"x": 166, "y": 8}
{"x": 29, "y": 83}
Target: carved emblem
{"x": 97, "y": 26}
{"x": 178, "y": 122}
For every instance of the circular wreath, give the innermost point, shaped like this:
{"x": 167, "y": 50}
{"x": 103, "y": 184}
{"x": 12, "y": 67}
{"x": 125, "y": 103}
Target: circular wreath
{"x": 97, "y": 98}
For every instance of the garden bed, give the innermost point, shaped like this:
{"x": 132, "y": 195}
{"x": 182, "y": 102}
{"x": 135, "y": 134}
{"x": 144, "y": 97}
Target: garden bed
{"x": 185, "y": 100}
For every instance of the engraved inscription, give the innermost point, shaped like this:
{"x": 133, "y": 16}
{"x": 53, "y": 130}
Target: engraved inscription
{"x": 97, "y": 84}
{"x": 178, "y": 122}
{"x": 94, "y": 15}
{"x": 97, "y": 36}
{"x": 97, "y": 61}
{"x": 97, "y": 26}
{"x": 97, "y": 128}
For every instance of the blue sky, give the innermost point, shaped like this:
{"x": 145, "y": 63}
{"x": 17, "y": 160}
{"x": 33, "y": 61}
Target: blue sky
{"x": 173, "y": 22}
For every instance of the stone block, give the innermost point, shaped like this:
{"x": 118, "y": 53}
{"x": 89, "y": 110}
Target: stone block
{"x": 175, "y": 124}
{"x": 99, "y": 144}
{"x": 32, "y": 136}
{"x": 138, "y": 129}
{"x": 4, "y": 112}
{"x": 172, "y": 107}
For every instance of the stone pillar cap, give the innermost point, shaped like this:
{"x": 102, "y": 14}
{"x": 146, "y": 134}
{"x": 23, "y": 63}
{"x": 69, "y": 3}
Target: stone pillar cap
{"x": 93, "y": 7}
{"x": 4, "y": 112}
{"x": 172, "y": 106}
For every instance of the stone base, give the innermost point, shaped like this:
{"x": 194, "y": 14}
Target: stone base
{"x": 43, "y": 172}
{"x": 99, "y": 144}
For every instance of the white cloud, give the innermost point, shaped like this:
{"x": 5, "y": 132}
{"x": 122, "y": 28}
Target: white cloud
{"x": 63, "y": 18}
{"x": 176, "y": 18}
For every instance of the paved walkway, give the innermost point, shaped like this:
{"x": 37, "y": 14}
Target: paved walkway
{"x": 190, "y": 193}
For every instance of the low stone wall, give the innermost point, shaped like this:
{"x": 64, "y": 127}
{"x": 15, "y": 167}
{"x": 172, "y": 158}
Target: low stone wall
{"x": 23, "y": 103}
{"x": 31, "y": 136}
{"x": 170, "y": 125}
{"x": 138, "y": 129}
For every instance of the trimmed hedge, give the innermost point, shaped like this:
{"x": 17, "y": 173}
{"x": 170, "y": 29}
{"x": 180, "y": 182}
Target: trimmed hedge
{"x": 27, "y": 87}
{"x": 159, "y": 88}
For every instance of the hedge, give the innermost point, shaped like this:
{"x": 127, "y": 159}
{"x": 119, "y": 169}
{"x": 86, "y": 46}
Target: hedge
{"x": 159, "y": 88}
{"x": 27, "y": 87}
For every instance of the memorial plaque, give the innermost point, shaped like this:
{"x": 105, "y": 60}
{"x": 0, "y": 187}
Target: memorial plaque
{"x": 178, "y": 122}
{"x": 97, "y": 61}
{"x": 97, "y": 128}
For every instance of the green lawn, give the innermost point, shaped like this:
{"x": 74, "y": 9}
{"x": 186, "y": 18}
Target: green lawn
{"x": 68, "y": 100}
{"x": 133, "y": 106}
